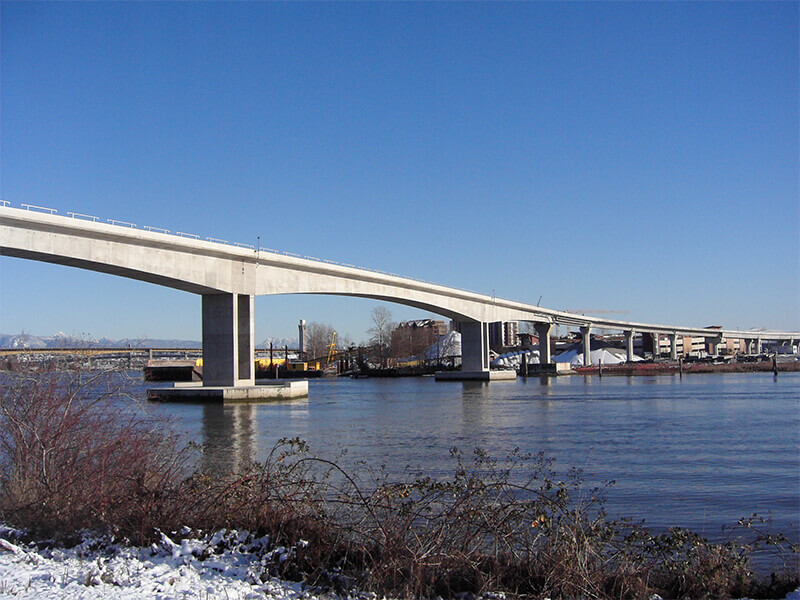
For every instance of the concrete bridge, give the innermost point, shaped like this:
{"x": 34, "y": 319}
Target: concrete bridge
{"x": 229, "y": 276}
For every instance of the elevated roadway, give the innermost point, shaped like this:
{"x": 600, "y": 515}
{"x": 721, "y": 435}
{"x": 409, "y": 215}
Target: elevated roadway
{"x": 228, "y": 276}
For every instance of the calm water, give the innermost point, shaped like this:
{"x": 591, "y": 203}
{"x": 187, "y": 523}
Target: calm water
{"x": 698, "y": 452}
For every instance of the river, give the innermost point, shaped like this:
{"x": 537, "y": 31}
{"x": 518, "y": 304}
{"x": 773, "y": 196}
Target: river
{"x": 698, "y": 452}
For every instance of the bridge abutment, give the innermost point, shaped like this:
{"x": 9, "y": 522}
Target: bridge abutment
{"x": 228, "y": 346}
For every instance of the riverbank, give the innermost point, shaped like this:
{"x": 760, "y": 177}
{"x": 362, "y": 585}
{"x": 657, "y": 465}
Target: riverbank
{"x": 659, "y": 368}
{"x": 226, "y": 565}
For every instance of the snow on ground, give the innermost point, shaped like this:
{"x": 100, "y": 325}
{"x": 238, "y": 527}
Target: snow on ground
{"x": 226, "y": 566}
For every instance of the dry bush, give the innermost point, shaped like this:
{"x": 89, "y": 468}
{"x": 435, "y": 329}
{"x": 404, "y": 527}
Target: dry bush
{"x": 72, "y": 457}
{"x": 510, "y": 526}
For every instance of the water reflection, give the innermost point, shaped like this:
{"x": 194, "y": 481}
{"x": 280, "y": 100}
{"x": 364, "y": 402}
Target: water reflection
{"x": 230, "y": 437}
{"x": 474, "y": 415}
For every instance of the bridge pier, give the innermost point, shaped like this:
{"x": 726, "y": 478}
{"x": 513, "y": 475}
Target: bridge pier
{"x": 475, "y": 356}
{"x": 712, "y": 344}
{"x": 673, "y": 346}
{"x": 586, "y": 332}
{"x": 228, "y": 346}
{"x": 629, "y": 344}
{"x": 543, "y": 333}
{"x": 474, "y": 346}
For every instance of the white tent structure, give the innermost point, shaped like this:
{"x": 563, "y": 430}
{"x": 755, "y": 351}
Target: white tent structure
{"x": 609, "y": 356}
{"x": 513, "y": 360}
{"x": 446, "y": 349}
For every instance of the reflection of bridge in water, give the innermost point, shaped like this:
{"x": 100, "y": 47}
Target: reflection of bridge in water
{"x": 229, "y": 276}
{"x": 231, "y": 436}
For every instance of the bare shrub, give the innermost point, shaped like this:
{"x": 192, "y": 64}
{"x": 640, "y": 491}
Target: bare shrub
{"x": 72, "y": 457}
{"x": 510, "y": 526}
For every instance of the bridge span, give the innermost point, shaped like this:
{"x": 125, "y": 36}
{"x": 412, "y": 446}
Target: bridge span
{"x": 229, "y": 276}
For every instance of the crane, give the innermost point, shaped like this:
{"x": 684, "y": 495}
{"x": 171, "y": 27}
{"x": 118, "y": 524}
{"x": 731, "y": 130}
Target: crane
{"x": 332, "y": 348}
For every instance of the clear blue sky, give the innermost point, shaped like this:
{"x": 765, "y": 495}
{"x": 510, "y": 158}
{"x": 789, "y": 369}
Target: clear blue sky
{"x": 638, "y": 157}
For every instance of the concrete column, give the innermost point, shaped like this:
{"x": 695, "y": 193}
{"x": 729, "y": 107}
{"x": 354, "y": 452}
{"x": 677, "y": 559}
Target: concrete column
{"x": 629, "y": 344}
{"x": 586, "y": 332}
{"x": 543, "y": 332}
{"x": 757, "y": 346}
{"x": 474, "y": 346}
{"x": 656, "y": 345}
{"x": 228, "y": 333}
{"x": 245, "y": 333}
{"x": 711, "y": 343}
{"x": 673, "y": 346}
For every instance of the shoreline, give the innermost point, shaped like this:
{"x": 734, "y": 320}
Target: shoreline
{"x": 661, "y": 368}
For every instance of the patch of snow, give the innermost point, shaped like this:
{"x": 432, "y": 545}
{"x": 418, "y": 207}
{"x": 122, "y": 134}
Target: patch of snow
{"x": 229, "y": 565}
{"x": 226, "y": 565}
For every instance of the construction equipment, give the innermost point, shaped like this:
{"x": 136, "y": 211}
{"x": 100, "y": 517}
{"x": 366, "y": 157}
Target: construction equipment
{"x": 331, "y": 349}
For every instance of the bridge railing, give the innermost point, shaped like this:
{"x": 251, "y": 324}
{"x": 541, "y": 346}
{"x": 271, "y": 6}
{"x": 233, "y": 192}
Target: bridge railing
{"x": 75, "y": 215}
{"x": 39, "y": 208}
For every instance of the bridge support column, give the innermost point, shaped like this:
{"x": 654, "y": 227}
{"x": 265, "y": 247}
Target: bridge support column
{"x": 228, "y": 347}
{"x": 629, "y": 344}
{"x": 586, "y": 332}
{"x": 474, "y": 346}
{"x": 712, "y": 343}
{"x": 475, "y": 356}
{"x": 543, "y": 333}
{"x": 757, "y": 346}
{"x": 673, "y": 346}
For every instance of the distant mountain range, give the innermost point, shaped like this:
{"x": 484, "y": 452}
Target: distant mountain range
{"x": 62, "y": 340}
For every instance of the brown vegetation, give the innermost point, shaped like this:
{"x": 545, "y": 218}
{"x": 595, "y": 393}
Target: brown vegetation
{"x": 651, "y": 368}
{"x": 73, "y": 457}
